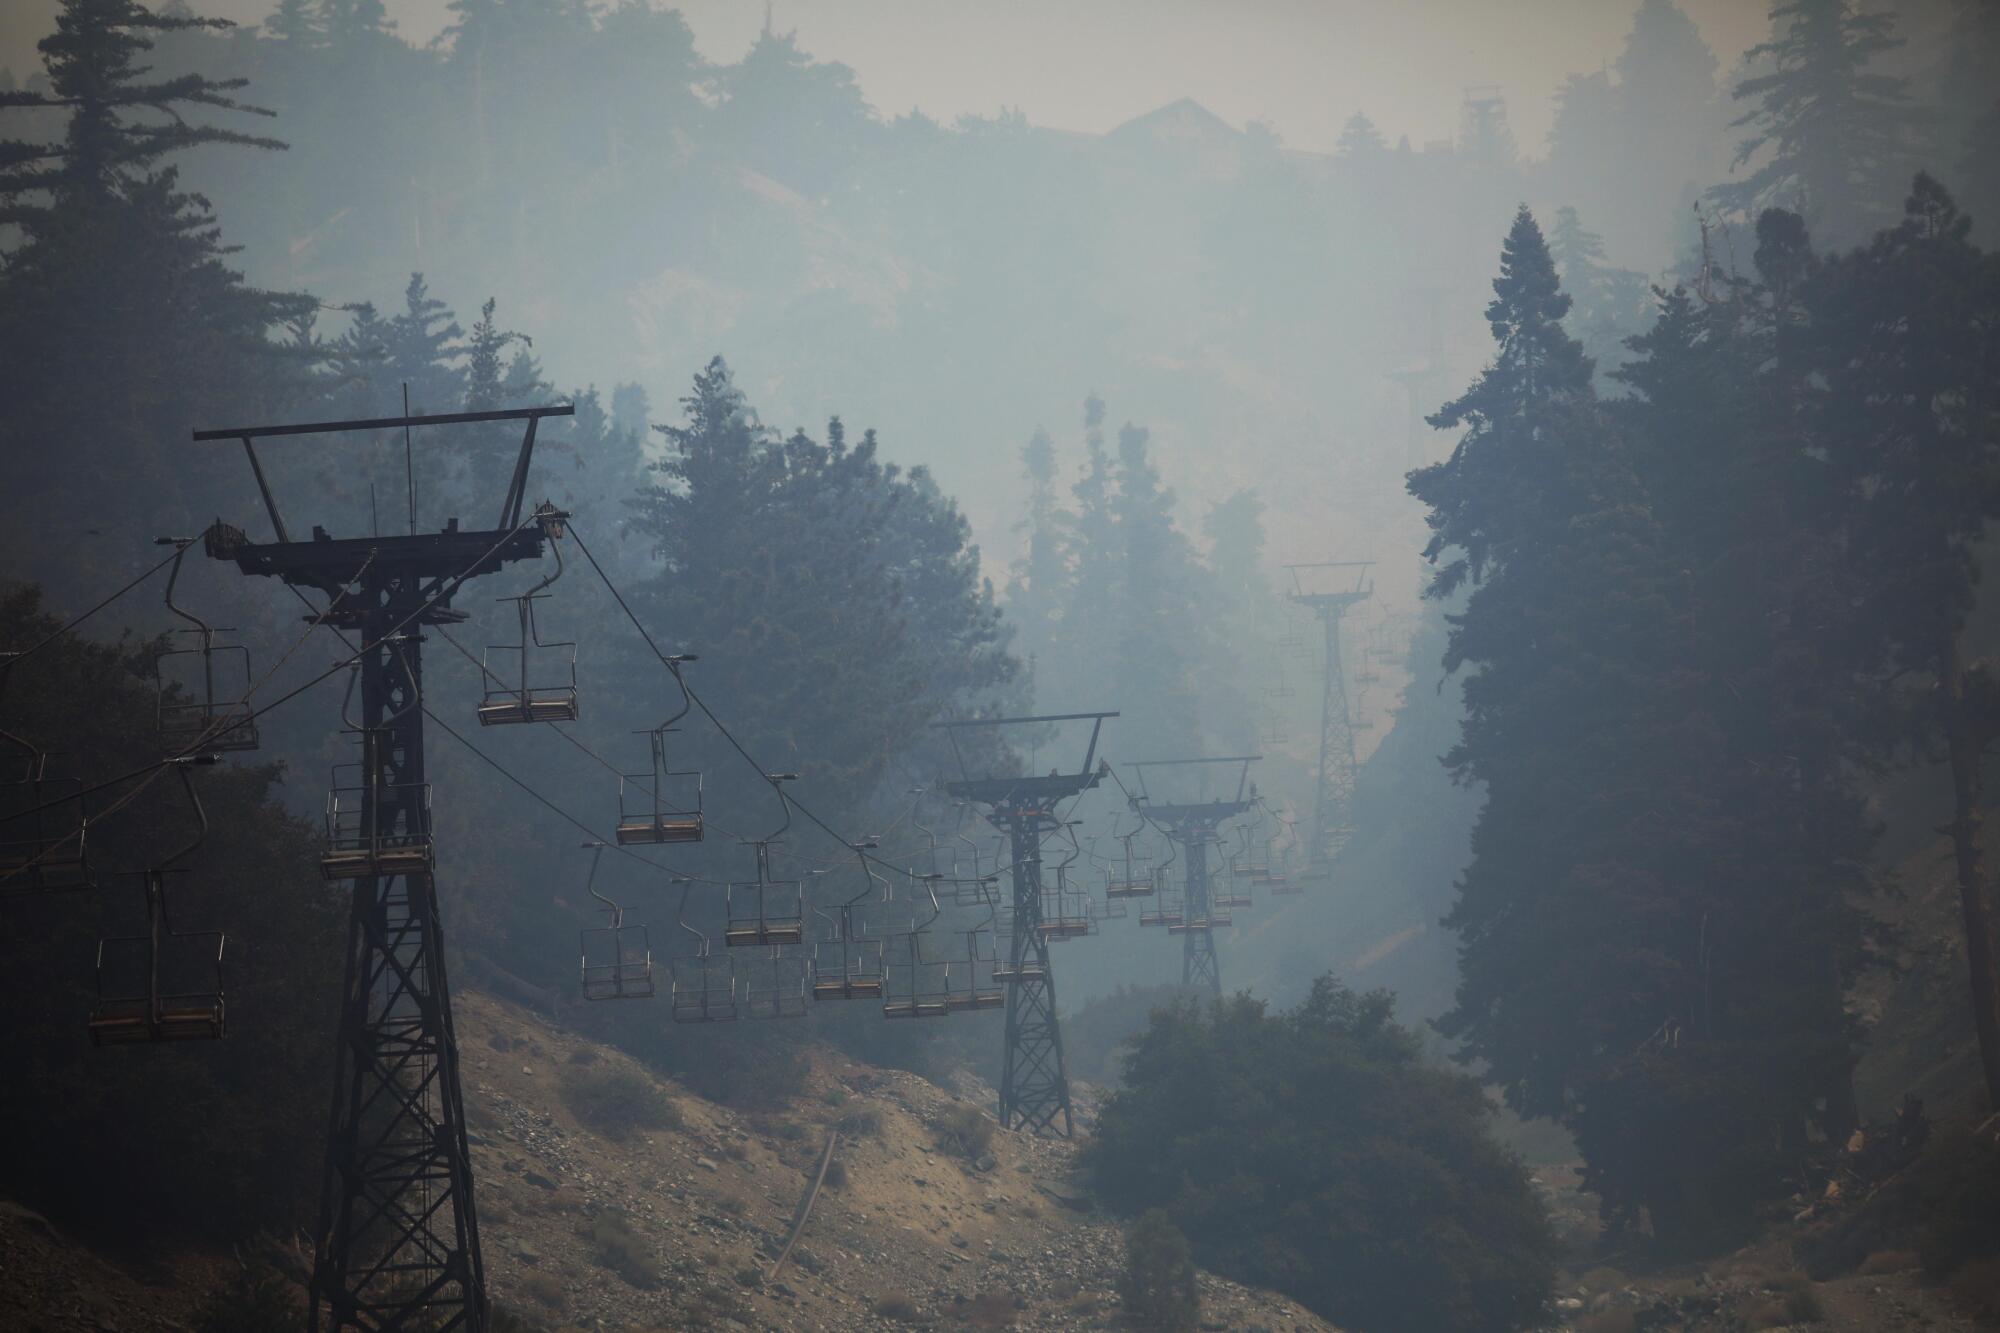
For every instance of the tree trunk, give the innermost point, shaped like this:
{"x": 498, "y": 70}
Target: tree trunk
{"x": 1966, "y": 744}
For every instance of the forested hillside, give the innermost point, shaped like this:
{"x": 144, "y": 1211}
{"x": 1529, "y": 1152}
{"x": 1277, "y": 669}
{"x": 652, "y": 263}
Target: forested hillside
{"x": 1629, "y": 773}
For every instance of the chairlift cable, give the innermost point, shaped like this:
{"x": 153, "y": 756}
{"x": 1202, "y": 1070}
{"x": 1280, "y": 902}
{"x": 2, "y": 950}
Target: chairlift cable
{"x": 708, "y": 712}
{"x": 9, "y": 661}
{"x": 444, "y": 589}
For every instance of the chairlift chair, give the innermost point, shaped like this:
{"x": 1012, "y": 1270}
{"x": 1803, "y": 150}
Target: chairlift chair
{"x": 1169, "y": 910}
{"x": 372, "y": 830}
{"x": 1133, "y": 877}
{"x": 44, "y": 831}
{"x": 1065, "y": 915}
{"x": 980, "y": 989}
{"x": 512, "y": 697}
{"x": 927, "y": 993}
{"x": 664, "y": 805}
{"x": 165, "y": 984}
{"x": 847, "y": 969}
{"x": 703, "y": 987}
{"x": 847, "y": 966}
{"x": 1231, "y": 893}
{"x": 615, "y": 961}
{"x": 773, "y": 984}
{"x": 765, "y": 910}
{"x": 203, "y": 688}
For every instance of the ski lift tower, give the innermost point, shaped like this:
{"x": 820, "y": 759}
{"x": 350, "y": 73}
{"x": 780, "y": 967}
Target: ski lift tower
{"x": 397, "y": 1244}
{"x": 1329, "y": 589}
{"x": 1034, "y": 1084}
{"x": 1192, "y": 824}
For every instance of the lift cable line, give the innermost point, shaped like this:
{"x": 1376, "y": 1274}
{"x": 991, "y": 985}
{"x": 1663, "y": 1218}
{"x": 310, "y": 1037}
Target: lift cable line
{"x": 672, "y": 663}
{"x": 1034, "y": 1083}
{"x": 1329, "y": 596}
{"x": 151, "y": 772}
{"x": 8, "y": 661}
{"x": 398, "y": 1240}
{"x": 1191, "y": 825}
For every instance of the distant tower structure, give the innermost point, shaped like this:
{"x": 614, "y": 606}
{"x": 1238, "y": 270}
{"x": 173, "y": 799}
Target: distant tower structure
{"x": 1483, "y": 132}
{"x": 1192, "y": 824}
{"x": 1034, "y": 1082}
{"x": 1324, "y": 588}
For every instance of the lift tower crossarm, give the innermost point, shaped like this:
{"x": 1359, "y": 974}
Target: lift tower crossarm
{"x": 397, "y": 1245}
{"x": 1034, "y": 1084}
{"x": 1192, "y": 824}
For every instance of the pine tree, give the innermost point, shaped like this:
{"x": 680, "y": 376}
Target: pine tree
{"x": 1159, "y": 635}
{"x": 1359, "y": 140}
{"x": 296, "y": 24}
{"x": 92, "y": 73}
{"x": 120, "y": 321}
{"x": 1825, "y": 135}
{"x": 1610, "y": 302}
{"x": 1903, "y": 376}
{"x": 1536, "y": 367}
{"x": 1037, "y": 587}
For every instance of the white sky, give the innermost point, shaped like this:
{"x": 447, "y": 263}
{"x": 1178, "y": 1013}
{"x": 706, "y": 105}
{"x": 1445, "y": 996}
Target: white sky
{"x": 1304, "y": 65}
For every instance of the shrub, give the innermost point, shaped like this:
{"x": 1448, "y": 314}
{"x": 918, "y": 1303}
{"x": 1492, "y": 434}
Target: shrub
{"x": 965, "y": 1130}
{"x": 542, "y": 1289}
{"x": 624, "y": 1251}
{"x": 617, "y": 1100}
{"x": 863, "y": 1122}
{"x": 836, "y": 1175}
{"x": 987, "y": 1310}
{"x": 895, "y": 1305}
{"x": 253, "y": 1301}
{"x": 1399, "y": 1212}
{"x": 1158, "y": 1286}
{"x": 748, "y": 1275}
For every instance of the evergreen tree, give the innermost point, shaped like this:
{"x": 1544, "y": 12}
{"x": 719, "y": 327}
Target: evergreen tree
{"x": 1159, "y": 633}
{"x": 1609, "y": 302}
{"x": 1038, "y": 583}
{"x": 1537, "y": 366}
{"x": 1359, "y": 139}
{"x": 120, "y": 322}
{"x": 1901, "y": 384}
{"x": 1825, "y": 135}
{"x": 296, "y": 24}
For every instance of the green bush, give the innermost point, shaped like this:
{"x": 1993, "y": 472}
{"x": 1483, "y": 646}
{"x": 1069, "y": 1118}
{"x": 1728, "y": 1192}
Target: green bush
{"x": 1314, "y": 1153}
{"x": 1158, "y": 1285}
{"x": 616, "y": 1101}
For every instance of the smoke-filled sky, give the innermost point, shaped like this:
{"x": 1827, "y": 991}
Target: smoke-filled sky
{"x": 1304, "y": 65}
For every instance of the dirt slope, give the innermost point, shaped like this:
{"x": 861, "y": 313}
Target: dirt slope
{"x": 917, "y": 1230}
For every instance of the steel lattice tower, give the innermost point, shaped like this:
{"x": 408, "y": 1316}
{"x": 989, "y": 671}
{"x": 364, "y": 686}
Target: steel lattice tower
{"x": 1333, "y": 805}
{"x": 1198, "y": 962}
{"x": 398, "y": 1240}
{"x": 1034, "y": 1082}
{"x": 1192, "y": 826}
